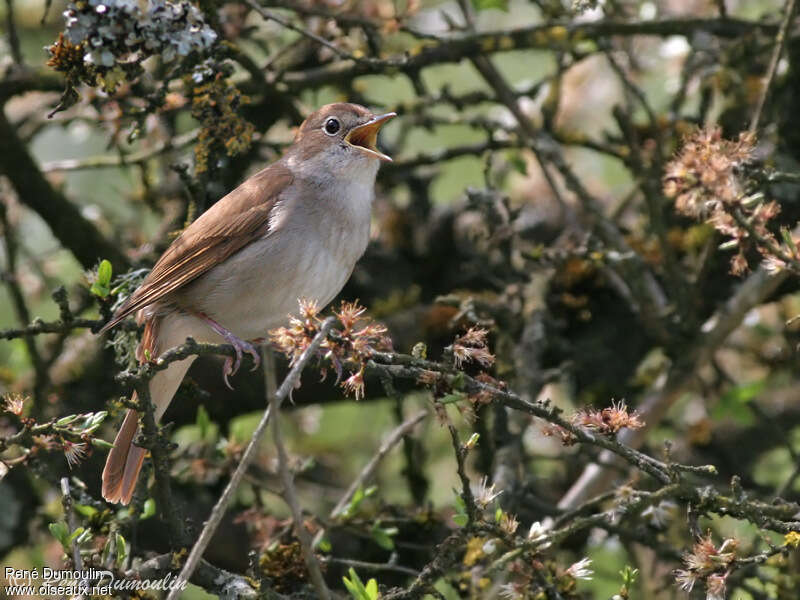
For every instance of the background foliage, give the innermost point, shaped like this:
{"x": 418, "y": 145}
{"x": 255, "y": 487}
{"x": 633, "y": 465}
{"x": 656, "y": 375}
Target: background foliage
{"x": 592, "y": 211}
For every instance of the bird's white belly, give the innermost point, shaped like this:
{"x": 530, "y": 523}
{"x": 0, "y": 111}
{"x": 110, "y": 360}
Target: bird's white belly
{"x": 317, "y": 233}
{"x": 256, "y": 289}
{"x": 269, "y": 297}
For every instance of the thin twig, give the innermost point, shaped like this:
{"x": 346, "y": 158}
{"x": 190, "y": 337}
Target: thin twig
{"x": 271, "y": 16}
{"x": 289, "y": 491}
{"x": 158, "y": 445}
{"x": 13, "y": 36}
{"x": 63, "y": 327}
{"x": 219, "y": 508}
{"x": 780, "y": 40}
{"x": 366, "y": 473}
{"x": 466, "y": 490}
{"x": 547, "y": 36}
{"x": 20, "y": 306}
{"x": 370, "y": 566}
{"x": 72, "y": 522}
{"x": 121, "y": 160}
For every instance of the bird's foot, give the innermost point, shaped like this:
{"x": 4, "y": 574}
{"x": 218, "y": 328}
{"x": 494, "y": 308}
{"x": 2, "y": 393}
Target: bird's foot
{"x": 240, "y": 346}
{"x": 231, "y": 365}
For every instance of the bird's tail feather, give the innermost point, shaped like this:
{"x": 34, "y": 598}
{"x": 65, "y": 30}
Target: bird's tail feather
{"x": 125, "y": 460}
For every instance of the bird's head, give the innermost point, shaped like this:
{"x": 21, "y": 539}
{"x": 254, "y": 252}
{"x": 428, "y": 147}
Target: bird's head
{"x": 340, "y": 138}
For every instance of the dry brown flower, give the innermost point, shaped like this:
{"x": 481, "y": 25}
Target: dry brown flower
{"x": 707, "y": 181}
{"x": 355, "y": 384}
{"x": 705, "y": 172}
{"x": 15, "y": 404}
{"x": 347, "y": 348}
{"x": 609, "y": 420}
{"x": 73, "y": 452}
{"x": 472, "y": 347}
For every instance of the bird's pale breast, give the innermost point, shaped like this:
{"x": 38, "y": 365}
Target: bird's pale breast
{"x": 317, "y": 234}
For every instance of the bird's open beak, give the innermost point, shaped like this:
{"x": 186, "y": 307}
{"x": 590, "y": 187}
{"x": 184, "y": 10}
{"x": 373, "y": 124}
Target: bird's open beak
{"x": 366, "y": 136}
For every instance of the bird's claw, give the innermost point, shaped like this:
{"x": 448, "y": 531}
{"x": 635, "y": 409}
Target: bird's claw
{"x": 240, "y": 346}
{"x": 232, "y": 365}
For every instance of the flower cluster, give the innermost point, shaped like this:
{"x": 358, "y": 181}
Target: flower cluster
{"x": 609, "y": 420}
{"x": 485, "y": 494}
{"x": 707, "y": 183}
{"x": 704, "y": 177}
{"x": 73, "y": 435}
{"x": 527, "y": 578}
{"x": 472, "y": 347}
{"x": 15, "y": 404}
{"x": 114, "y": 31}
{"x": 349, "y": 347}
{"x": 709, "y": 563}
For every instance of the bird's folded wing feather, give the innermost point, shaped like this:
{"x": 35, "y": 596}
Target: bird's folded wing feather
{"x": 233, "y": 222}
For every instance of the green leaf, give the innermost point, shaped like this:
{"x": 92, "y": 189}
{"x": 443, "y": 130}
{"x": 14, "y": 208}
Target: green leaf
{"x": 149, "y": 509}
{"x": 629, "y": 575}
{"x": 490, "y": 4}
{"x": 85, "y": 536}
{"x": 64, "y": 421}
{"x": 122, "y": 549}
{"x": 101, "y": 286}
{"x": 74, "y": 536}
{"x": 383, "y": 536}
{"x": 460, "y": 517}
{"x": 203, "y": 421}
{"x": 355, "y": 586}
{"x": 86, "y": 510}
{"x": 355, "y": 502}
{"x": 457, "y": 383}
{"x": 451, "y": 398}
{"x": 98, "y": 443}
{"x": 93, "y": 421}
{"x": 357, "y": 589}
{"x": 372, "y": 589}
{"x": 106, "y": 550}
{"x": 60, "y": 532}
{"x": 104, "y": 273}
{"x": 324, "y": 545}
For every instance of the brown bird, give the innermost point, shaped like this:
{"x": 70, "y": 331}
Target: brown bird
{"x": 293, "y": 230}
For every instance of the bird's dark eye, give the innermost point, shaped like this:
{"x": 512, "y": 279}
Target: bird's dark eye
{"x": 332, "y": 126}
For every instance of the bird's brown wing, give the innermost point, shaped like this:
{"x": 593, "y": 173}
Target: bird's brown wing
{"x": 233, "y": 222}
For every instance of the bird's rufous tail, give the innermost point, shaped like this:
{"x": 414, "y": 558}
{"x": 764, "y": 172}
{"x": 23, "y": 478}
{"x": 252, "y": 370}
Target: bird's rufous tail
{"x": 125, "y": 460}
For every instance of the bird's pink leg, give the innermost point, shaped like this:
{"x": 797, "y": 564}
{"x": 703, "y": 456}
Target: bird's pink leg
{"x": 239, "y": 345}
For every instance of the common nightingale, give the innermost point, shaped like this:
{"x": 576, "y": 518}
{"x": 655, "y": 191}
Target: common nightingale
{"x": 293, "y": 230}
